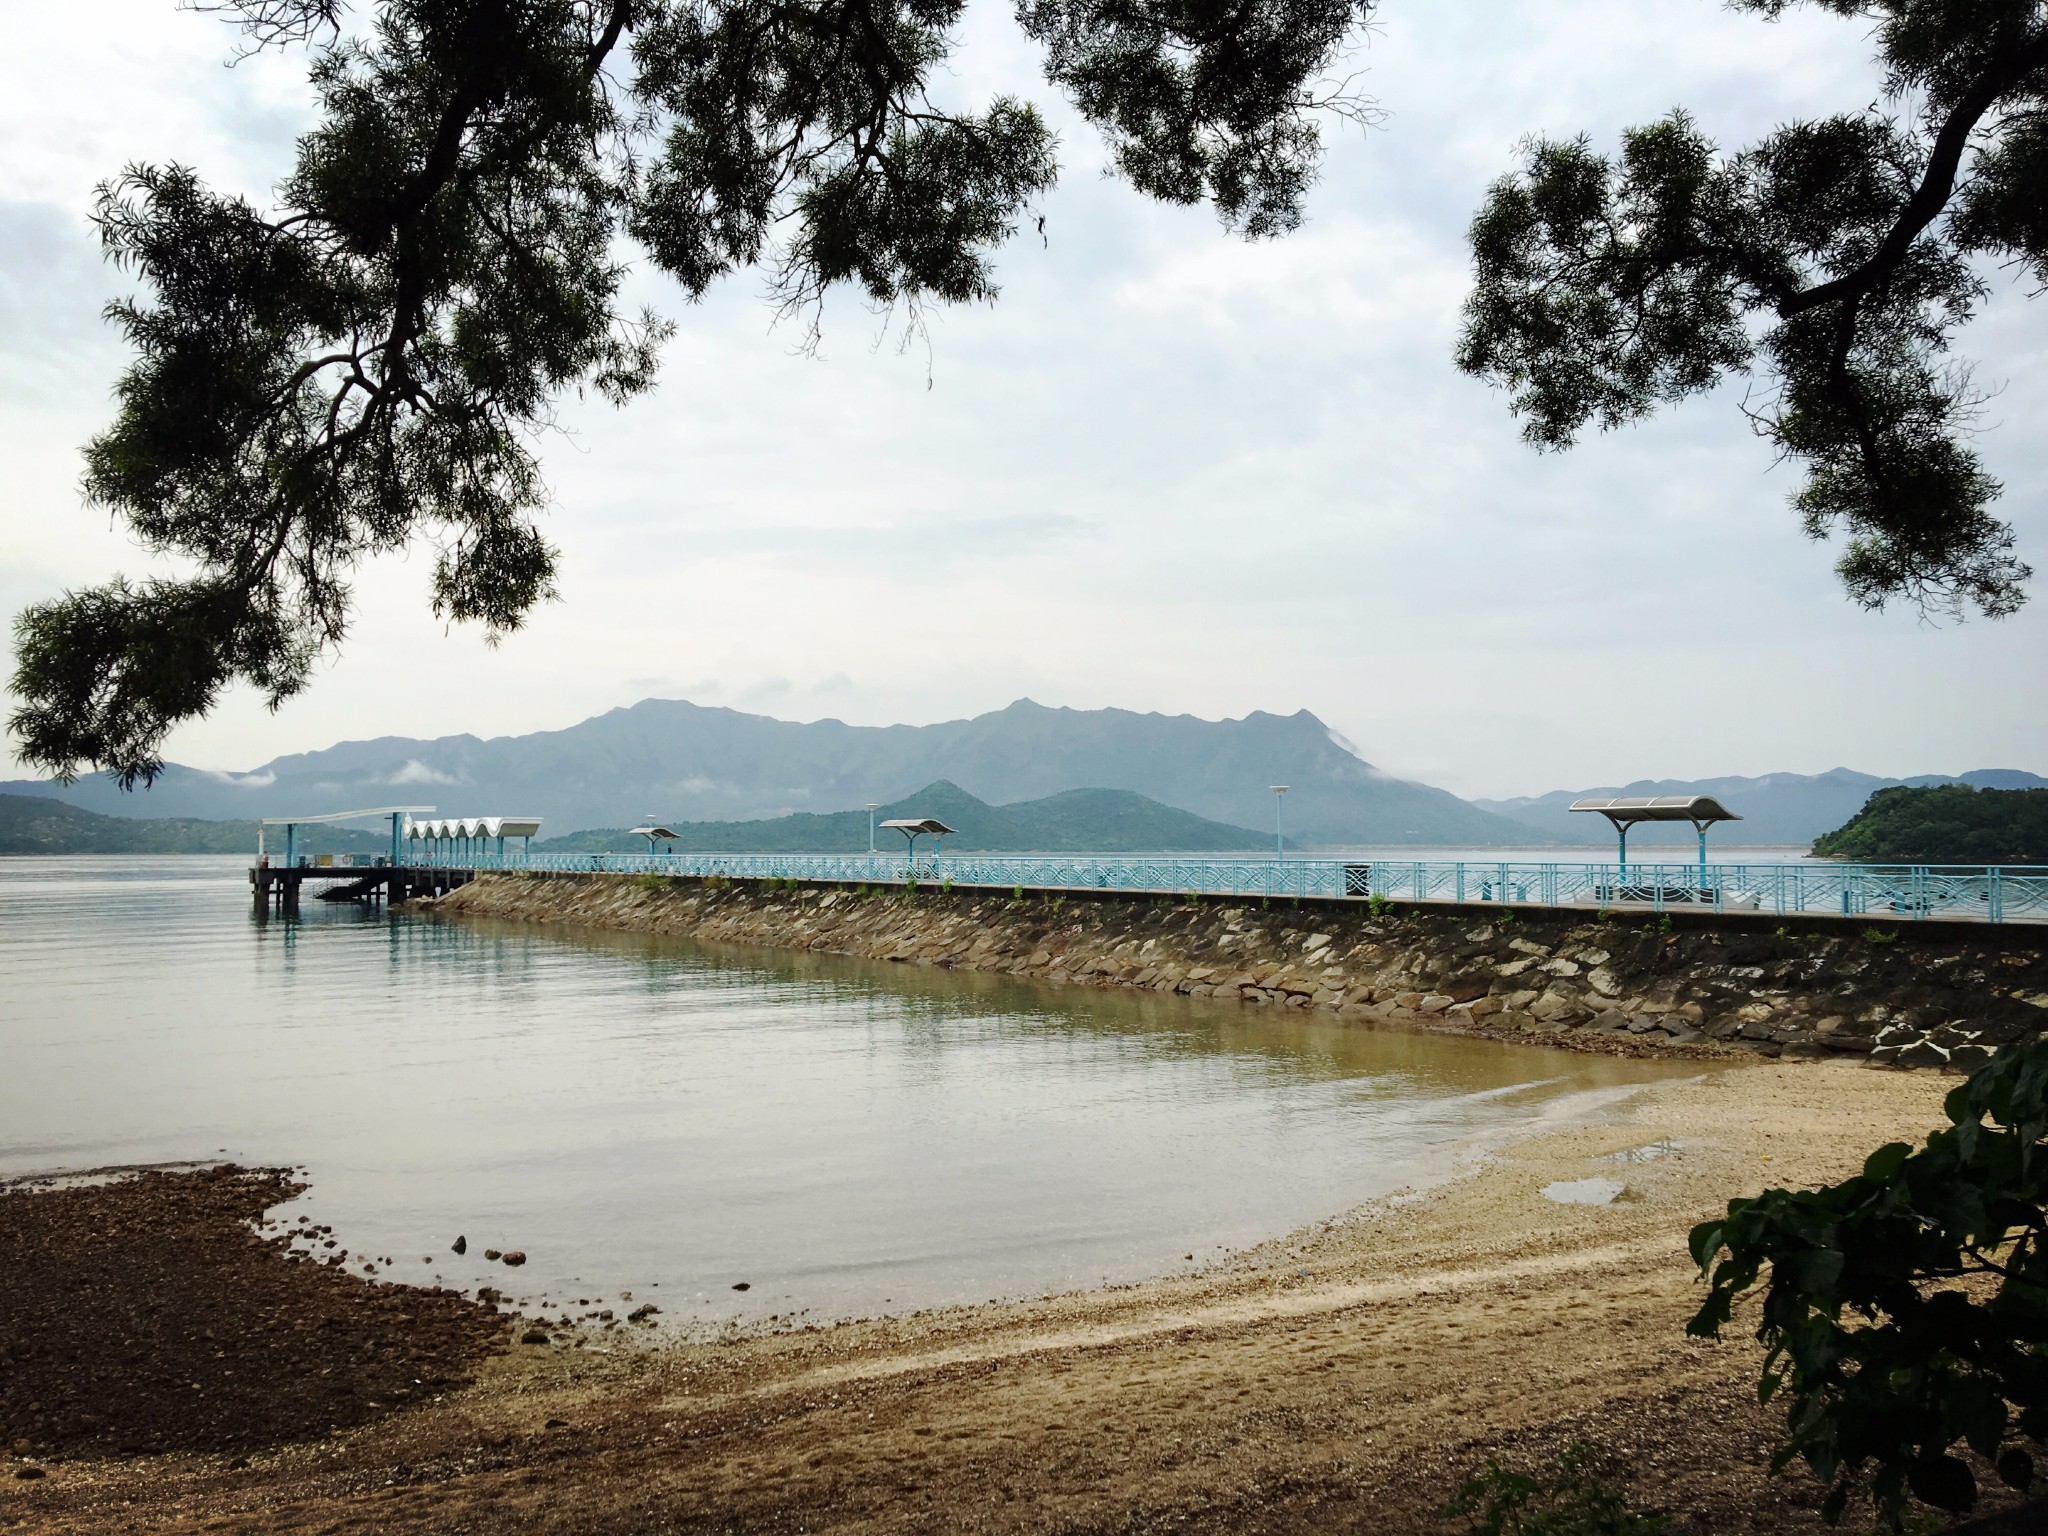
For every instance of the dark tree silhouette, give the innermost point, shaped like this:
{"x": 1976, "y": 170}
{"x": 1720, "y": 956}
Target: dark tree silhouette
{"x": 369, "y": 361}
{"x": 1836, "y": 258}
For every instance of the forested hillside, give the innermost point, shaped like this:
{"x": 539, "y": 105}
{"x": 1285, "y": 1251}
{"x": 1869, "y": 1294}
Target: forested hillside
{"x": 1946, "y": 824}
{"x": 36, "y": 824}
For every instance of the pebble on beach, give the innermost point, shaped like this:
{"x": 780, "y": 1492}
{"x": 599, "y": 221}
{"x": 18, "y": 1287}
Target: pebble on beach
{"x": 515, "y": 1258}
{"x": 460, "y": 1245}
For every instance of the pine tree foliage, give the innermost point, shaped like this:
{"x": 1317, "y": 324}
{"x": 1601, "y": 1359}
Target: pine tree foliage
{"x": 1834, "y": 260}
{"x": 369, "y": 362}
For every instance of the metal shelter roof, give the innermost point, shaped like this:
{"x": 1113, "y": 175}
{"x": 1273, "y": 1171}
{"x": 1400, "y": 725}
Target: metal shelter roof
{"x": 1697, "y": 809}
{"x": 921, "y": 824}
{"x": 380, "y": 810}
{"x": 653, "y": 832}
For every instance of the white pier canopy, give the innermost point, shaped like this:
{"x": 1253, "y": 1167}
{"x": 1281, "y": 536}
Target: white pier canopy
{"x": 471, "y": 830}
{"x": 1701, "y": 810}
{"x": 654, "y": 832}
{"x": 401, "y": 817}
{"x": 914, "y": 827}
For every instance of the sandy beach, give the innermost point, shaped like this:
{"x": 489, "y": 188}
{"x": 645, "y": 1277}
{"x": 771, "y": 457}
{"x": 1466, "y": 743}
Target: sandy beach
{"x": 1348, "y": 1377}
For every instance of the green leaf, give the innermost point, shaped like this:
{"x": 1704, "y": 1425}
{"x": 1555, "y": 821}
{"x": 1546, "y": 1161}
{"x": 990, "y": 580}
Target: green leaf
{"x": 1943, "y": 1482}
{"x": 2016, "y": 1469}
{"x": 1883, "y": 1165}
{"x": 1705, "y": 1242}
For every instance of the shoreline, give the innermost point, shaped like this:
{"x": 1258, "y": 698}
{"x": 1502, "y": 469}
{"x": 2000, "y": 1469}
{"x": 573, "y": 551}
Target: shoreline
{"x": 1347, "y": 1375}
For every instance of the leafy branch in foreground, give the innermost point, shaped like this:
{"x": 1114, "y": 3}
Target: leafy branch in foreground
{"x": 1836, "y": 257}
{"x": 371, "y": 361}
{"x": 1907, "y": 1308}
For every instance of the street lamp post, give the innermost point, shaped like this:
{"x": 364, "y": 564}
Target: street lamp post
{"x": 1279, "y": 842}
{"x": 873, "y": 806}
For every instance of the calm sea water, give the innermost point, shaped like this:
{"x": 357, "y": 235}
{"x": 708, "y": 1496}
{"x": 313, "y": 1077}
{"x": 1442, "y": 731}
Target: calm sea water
{"x": 657, "y": 1118}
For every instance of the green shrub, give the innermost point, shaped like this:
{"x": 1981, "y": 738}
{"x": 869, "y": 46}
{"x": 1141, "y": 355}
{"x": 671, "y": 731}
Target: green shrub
{"x": 1884, "y": 1362}
{"x": 1577, "y": 1497}
{"x": 1880, "y": 935}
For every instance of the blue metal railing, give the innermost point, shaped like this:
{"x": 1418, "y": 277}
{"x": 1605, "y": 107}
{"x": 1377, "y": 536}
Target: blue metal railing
{"x": 1855, "y": 890}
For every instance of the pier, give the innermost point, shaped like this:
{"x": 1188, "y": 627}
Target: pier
{"x": 277, "y": 888}
{"x": 1814, "y": 888}
{"x": 427, "y": 858}
{"x": 432, "y": 857}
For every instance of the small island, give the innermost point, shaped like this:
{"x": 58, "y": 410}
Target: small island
{"x": 1944, "y": 824}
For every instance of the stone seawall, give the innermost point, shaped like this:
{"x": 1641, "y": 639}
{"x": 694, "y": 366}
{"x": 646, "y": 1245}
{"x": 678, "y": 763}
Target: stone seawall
{"x": 1935, "y": 995}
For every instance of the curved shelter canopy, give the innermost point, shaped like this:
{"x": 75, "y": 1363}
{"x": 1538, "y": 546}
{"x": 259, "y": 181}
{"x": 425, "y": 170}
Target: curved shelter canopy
{"x": 1626, "y": 811}
{"x": 914, "y": 827}
{"x": 920, "y": 825}
{"x": 1700, "y": 810}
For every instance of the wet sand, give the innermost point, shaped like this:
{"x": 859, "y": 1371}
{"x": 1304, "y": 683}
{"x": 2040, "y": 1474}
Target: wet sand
{"x": 143, "y": 1314}
{"x": 1345, "y": 1378}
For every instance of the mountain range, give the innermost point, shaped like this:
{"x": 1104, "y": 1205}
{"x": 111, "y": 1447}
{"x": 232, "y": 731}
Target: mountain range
{"x": 681, "y": 762}
{"x": 1073, "y": 821}
{"x": 675, "y": 760}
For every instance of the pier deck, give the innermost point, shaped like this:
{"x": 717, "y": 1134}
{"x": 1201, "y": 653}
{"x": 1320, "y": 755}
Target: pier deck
{"x": 1815, "y": 887}
{"x": 276, "y": 888}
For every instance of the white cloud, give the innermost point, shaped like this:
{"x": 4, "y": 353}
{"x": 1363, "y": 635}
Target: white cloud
{"x": 260, "y": 780}
{"x": 417, "y": 772}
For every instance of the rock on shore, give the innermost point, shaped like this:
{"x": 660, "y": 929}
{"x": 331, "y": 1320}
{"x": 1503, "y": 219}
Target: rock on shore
{"x": 1936, "y": 995}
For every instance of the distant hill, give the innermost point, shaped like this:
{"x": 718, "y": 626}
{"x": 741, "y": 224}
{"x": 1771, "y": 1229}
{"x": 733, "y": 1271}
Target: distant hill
{"x": 1944, "y": 824}
{"x": 673, "y": 759}
{"x": 38, "y": 824}
{"x": 1073, "y": 821}
{"x": 1775, "y": 808}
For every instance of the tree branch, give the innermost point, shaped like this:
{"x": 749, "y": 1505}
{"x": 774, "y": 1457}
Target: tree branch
{"x": 1937, "y": 182}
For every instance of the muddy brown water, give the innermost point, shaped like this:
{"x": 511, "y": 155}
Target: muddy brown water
{"x": 651, "y": 1117}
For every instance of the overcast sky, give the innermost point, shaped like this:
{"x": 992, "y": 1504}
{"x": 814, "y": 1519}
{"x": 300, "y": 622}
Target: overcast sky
{"x": 1167, "y": 471}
